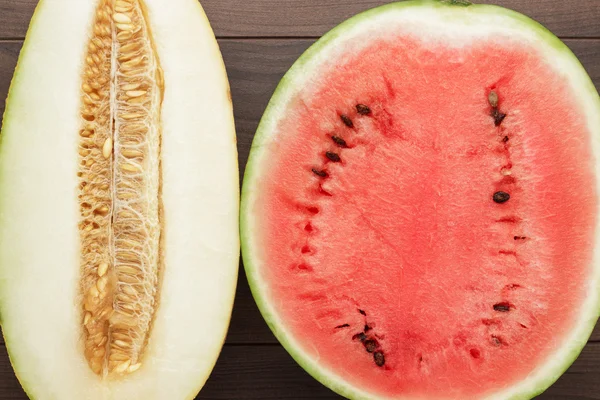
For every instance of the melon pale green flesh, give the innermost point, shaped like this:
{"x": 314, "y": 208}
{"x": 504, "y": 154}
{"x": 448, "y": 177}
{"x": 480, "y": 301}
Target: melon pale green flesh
{"x": 40, "y": 298}
{"x": 397, "y": 275}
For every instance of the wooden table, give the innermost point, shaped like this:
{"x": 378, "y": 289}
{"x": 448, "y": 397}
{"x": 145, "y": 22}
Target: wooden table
{"x": 260, "y": 39}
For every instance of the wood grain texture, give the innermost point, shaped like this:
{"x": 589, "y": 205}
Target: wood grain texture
{"x": 286, "y": 18}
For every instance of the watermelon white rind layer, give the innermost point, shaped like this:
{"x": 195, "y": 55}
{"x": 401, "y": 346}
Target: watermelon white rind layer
{"x": 447, "y": 16}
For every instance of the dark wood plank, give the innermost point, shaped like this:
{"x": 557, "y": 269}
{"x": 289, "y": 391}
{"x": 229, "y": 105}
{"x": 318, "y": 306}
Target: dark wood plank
{"x": 268, "y": 372}
{"x": 255, "y": 67}
{"x": 263, "y": 372}
{"x": 577, "y": 18}
{"x": 15, "y": 16}
{"x": 315, "y": 17}
{"x": 247, "y": 325}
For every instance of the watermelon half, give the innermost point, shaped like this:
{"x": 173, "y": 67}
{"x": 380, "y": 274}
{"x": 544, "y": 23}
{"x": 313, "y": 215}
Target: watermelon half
{"x": 420, "y": 206}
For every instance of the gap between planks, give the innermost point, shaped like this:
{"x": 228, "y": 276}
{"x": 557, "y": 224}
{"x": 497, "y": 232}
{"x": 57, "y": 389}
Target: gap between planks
{"x": 21, "y": 39}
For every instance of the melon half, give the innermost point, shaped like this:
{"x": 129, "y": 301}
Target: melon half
{"x": 119, "y": 239}
{"x": 420, "y": 206}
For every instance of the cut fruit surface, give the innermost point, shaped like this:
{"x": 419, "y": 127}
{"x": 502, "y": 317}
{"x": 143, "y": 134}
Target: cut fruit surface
{"x": 118, "y": 251}
{"x": 419, "y": 211}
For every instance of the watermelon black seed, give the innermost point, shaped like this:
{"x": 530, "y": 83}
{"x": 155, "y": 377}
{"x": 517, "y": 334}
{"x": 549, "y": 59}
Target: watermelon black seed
{"x": 493, "y": 99}
{"x": 333, "y": 156}
{"x": 362, "y": 312}
{"x": 363, "y": 109}
{"x": 342, "y": 326}
{"x": 498, "y": 116}
{"x": 502, "y": 307}
{"x": 319, "y": 172}
{"x": 501, "y": 197}
{"x": 379, "y": 358}
{"x": 360, "y": 336}
{"x": 520, "y": 237}
{"x": 370, "y": 345}
{"x": 347, "y": 121}
{"x": 505, "y": 139}
{"x": 339, "y": 141}
{"x": 367, "y": 328}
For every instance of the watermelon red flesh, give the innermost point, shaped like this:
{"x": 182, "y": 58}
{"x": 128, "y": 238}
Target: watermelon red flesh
{"x": 404, "y": 228}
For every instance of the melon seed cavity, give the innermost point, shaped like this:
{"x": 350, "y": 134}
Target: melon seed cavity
{"x": 119, "y": 187}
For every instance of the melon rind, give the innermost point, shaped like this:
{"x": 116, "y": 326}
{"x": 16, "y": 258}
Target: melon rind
{"x": 436, "y": 16}
{"x": 39, "y": 244}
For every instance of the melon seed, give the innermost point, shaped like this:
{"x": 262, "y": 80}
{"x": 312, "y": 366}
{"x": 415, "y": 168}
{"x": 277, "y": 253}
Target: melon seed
{"x": 342, "y": 326}
{"x": 501, "y": 197}
{"x": 363, "y": 109}
{"x": 107, "y": 148}
{"x": 362, "y": 312}
{"x": 339, "y": 141}
{"x": 319, "y": 172}
{"x": 360, "y": 336}
{"x": 347, "y": 121}
{"x": 379, "y": 358}
{"x": 333, "y": 156}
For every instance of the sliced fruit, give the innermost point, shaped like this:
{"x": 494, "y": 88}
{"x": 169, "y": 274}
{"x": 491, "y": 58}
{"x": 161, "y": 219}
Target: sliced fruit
{"x": 118, "y": 221}
{"x": 420, "y": 207}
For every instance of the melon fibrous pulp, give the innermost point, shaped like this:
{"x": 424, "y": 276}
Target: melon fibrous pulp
{"x": 420, "y": 206}
{"x": 119, "y": 238}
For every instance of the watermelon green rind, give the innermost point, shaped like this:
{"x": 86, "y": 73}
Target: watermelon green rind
{"x": 556, "y": 365}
